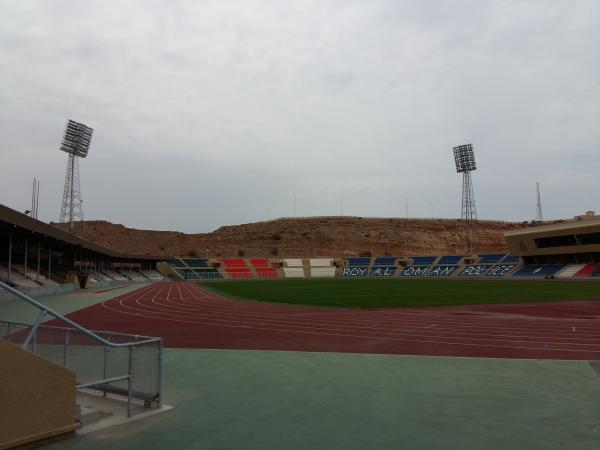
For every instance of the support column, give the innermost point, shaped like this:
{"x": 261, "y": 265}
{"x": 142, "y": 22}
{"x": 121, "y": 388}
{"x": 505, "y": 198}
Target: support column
{"x": 25, "y": 262}
{"x": 37, "y": 276}
{"x": 10, "y": 235}
{"x": 50, "y": 262}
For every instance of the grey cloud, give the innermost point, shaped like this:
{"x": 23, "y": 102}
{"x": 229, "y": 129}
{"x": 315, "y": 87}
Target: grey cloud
{"x": 209, "y": 113}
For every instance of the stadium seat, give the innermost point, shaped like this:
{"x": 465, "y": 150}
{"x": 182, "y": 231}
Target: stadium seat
{"x": 320, "y": 262}
{"x": 590, "y": 270}
{"x": 382, "y": 271}
{"x": 293, "y": 272}
{"x": 500, "y": 270}
{"x": 322, "y": 272}
{"x": 491, "y": 258}
{"x": 423, "y": 260}
{"x": 477, "y": 270}
{"x": 362, "y": 271}
{"x": 357, "y": 262}
{"x": 414, "y": 271}
{"x": 234, "y": 263}
{"x": 570, "y": 270}
{"x": 442, "y": 271}
{"x": 510, "y": 259}
{"x": 266, "y": 272}
{"x": 259, "y": 263}
{"x": 239, "y": 273}
{"x": 385, "y": 261}
{"x": 195, "y": 262}
{"x": 450, "y": 260}
{"x": 534, "y": 271}
{"x": 292, "y": 262}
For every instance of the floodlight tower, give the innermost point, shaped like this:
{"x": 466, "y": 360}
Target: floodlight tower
{"x": 76, "y": 142}
{"x": 464, "y": 158}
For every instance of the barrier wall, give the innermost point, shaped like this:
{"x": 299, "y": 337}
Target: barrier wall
{"x": 38, "y": 398}
{"x": 293, "y": 272}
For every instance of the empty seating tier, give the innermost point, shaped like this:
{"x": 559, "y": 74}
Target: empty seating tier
{"x": 292, "y": 262}
{"x": 358, "y": 262}
{"x": 442, "y": 271}
{"x": 196, "y": 262}
{"x": 234, "y": 262}
{"x": 266, "y": 272}
{"x": 570, "y": 270}
{"x": 362, "y": 271}
{"x": 322, "y": 272}
{"x": 293, "y": 272}
{"x": 320, "y": 262}
{"x": 500, "y": 270}
{"x": 491, "y": 258}
{"x": 590, "y": 270}
{"x": 450, "y": 260}
{"x": 414, "y": 271}
{"x": 533, "y": 271}
{"x": 423, "y": 260}
{"x": 259, "y": 263}
{"x": 385, "y": 261}
{"x": 478, "y": 270}
{"x": 239, "y": 273}
{"x": 510, "y": 259}
{"x": 382, "y": 271}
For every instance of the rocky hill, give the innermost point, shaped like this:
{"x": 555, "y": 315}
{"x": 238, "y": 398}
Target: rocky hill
{"x": 302, "y": 237}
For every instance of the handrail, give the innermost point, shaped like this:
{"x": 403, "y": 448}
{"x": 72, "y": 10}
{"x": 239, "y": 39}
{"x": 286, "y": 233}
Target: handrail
{"x": 44, "y": 310}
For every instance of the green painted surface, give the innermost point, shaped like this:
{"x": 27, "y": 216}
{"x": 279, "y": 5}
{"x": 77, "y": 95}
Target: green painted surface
{"x": 16, "y": 310}
{"x": 280, "y": 400}
{"x": 378, "y": 292}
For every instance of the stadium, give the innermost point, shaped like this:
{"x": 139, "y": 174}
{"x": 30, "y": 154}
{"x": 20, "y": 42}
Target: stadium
{"x": 379, "y": 330}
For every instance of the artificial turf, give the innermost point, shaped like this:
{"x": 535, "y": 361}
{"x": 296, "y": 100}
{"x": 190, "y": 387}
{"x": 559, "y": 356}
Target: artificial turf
{"x": 364, "y": 293}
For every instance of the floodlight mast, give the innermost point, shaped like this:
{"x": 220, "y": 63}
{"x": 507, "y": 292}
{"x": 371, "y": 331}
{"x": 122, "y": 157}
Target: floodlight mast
{"x": 464, "y": 159}
{"x": 76, "y": 142}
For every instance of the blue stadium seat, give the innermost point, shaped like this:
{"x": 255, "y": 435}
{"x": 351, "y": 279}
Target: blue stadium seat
{"x": 500, "y": 270}
{"x": 491, "y": 258}
{"x": 450, "y": 260}
{"x": 477, "y": 270}
{"x": 383, "y": 271}
{"x": 361, "y": 271}
{"x": 196, "y": 262}
{"x": 441, "y": 271}
{"x": 385, "y": 261}
{"x": 510, "y": 259}
{"x": 358, "y": 262}
{"x": 534, "y": 271}
{"x": 414, "y": 271}
{"x": 423, "y": 260}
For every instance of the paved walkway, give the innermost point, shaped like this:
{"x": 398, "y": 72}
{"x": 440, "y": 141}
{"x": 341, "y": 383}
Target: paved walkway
{"x": 16, "y": 310}
{"x": 292, "y": 400}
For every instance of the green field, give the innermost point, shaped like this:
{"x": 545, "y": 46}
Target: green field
{"x": 362, "y": 293}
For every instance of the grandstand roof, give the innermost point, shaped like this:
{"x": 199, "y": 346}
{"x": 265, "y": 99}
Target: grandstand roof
{"x": 16, "y": 219}
{"x": 557, "y": 226}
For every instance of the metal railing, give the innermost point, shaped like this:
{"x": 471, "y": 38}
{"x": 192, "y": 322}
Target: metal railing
{"x": 108, "y": 362}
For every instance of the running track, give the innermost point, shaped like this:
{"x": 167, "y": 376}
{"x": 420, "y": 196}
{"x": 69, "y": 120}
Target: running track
{"x": 187, "y": 315}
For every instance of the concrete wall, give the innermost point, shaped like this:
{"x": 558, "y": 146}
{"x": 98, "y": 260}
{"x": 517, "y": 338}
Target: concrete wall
{"x": 37, "y": 398}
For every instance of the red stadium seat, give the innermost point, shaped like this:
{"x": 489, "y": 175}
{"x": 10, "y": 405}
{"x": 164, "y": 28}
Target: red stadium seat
{"x": 234, "y": 262}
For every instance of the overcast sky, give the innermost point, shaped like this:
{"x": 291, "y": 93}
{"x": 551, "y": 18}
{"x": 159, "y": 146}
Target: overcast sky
{"x": 210, "y": 113}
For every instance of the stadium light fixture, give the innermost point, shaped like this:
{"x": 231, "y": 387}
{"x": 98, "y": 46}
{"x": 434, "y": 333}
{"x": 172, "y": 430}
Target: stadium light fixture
{"x": 76, "y": 142}
{"x": 464, "y": 158}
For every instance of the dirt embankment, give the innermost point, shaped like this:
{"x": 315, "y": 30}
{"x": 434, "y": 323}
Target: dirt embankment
{"x": 302, "y": 237}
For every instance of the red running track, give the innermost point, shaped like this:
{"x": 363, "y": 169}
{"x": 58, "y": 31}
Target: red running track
{"x": 187, "y": 315}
